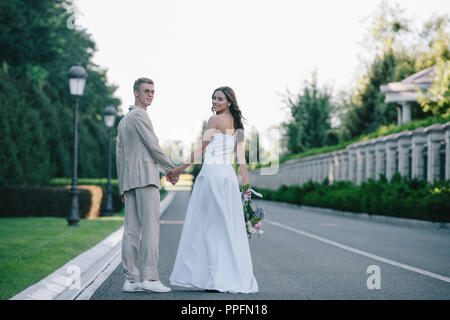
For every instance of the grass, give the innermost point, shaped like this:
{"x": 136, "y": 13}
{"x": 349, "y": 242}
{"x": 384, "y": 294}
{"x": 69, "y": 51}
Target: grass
{"x": 32, "y": 248}
{"x": 84, "y": 181}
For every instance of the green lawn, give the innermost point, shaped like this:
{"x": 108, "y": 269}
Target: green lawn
{"x": 32, "y": 248}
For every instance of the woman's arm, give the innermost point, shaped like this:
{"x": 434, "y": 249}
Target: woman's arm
{"x": 240, "y": 151}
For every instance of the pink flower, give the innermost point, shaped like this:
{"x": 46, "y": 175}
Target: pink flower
{"x": 257, "y": 226}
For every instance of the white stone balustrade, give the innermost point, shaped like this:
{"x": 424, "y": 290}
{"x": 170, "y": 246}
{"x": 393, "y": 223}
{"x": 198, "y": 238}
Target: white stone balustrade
{"x": 404, "y": 144}
{"x": 419, "y": 142}
{"x": 446, "y": 128}
{"x": 435, "y": 135}
{"x": 380, "y": 157}
{"x": 414, "y": 154}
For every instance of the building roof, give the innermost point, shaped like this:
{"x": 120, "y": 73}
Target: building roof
{"x": 405, "y": 90}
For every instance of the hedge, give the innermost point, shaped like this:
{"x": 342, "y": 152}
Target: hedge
{"x": 34, "y": 201}
{"x": 400, "y": 197}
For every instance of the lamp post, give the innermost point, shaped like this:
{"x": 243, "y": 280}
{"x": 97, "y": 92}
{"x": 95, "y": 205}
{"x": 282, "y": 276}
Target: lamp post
{"x": 110, "y": 118}
{"x": 77, "y": 80}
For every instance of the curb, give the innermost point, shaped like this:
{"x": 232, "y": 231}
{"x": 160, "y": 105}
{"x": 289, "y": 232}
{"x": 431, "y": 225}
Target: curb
{"x": 81, "y": 276}
{"x": 372, "y": 217}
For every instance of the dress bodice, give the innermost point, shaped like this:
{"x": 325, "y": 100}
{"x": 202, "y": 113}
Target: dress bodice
{"x": 220, "y": 149}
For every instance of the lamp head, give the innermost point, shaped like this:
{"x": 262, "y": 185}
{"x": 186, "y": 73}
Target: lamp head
{"x": 109, "y": 116}
{"x": 77, "y": 80}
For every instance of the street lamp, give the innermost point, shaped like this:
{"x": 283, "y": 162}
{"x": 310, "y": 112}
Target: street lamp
{"x": 77, "y": 80}
{"x": 110, "y": 118}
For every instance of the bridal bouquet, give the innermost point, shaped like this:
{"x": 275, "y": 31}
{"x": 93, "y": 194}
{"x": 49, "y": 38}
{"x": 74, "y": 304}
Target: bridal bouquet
{"x": 253, "y": 218}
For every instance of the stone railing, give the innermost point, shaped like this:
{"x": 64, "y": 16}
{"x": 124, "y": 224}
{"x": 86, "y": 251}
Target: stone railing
{"x": 423, "y": 153}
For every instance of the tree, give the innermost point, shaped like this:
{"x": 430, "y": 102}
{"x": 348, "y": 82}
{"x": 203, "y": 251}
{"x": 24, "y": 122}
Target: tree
{"x": 396, "y": 51}
{"x": 436, "y": 38}
{"x": 311, "y": 116}
{"x": 36, "y": 107}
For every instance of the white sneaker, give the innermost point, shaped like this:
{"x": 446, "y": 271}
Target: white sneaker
{"x": 155, "y": 286}
{"x": 129, "y": 286}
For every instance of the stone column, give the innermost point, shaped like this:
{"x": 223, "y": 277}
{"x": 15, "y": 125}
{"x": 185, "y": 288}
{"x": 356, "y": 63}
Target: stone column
{"x": 330, "y": 168}
{"x": 352, "y": 164}
{"x": 404, "y": 144}
{"x": 418, "y": 142}
{"x": 323, "y": 168}
{"x": 300, "y": 172}
{"x": 312, "y": 168}
{"x": 297, "y": 172}
{"x": 316, "y": 169}
{"x": 406, "y": 112}
{"x": 360, "y": 164}
{"x": 380, "y": 158}
{"x": 338, "y": 166}
{"x": 291, "y": 173}
{"x": 309, "y": 174}
{"x": 319, "y": 169}
{"x": 399, "y": 116}
{"x": 435, "y": 135}
{"x": 370, "y": 161}
{"x": 344, "y": 169}
{"x": 391, "y": 153}
{"x": 446, "y": 128}
{"x": 335, "y": 166}
{"x": 306, "y": 170}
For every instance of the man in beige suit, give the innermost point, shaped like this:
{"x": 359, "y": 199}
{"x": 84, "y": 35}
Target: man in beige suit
{"x": 137, "y": 156}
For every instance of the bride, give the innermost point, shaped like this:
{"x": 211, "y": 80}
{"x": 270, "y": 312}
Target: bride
{"x": 213, "y": 253}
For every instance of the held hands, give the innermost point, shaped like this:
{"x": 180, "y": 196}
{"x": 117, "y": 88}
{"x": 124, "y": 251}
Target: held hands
{"x": 173, "y": 175}
{"x": 246, "y": 192}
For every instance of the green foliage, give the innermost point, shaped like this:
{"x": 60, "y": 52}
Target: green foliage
{"x": 436, "y": 35}
{"x": 311, "y": 116}
{"x": 36, "y": 125}
{"x": 394, "y": 51}
{"x": 32, "y": 248}
{"x": 26, "y": 201}
{"x": 397, "y": 52}
{"x": 400, "y": 197}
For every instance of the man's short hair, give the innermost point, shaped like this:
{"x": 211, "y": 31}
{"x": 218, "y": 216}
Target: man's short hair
{"x": 138, "y": 82}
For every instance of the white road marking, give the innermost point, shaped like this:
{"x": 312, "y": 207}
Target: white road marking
{"x": 360, "y": 252}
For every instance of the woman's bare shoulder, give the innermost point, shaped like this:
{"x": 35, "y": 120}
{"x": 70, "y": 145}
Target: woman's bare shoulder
{"x": 221, "y": 122}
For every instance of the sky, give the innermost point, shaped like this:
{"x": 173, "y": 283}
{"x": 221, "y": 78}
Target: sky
{"x": 259, "y": 48}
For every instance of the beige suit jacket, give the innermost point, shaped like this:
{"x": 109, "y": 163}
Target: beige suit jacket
{"x": 138, "y": 152}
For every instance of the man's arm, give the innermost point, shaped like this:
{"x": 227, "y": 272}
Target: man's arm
{"x": 151, "y": 141}
{"x": 119, "y": 165}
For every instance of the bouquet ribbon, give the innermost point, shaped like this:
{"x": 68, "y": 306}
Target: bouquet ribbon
{"x": 254, "y": 192}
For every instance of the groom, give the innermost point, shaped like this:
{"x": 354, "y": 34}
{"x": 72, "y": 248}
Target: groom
{"x": 137, "y": 157}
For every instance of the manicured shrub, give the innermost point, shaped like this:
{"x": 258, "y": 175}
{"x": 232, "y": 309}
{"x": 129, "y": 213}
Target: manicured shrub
{"x": 32, "y": 201}
{"x": 400, "y": 197}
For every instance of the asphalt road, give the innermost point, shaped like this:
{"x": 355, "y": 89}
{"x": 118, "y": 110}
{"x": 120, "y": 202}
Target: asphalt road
{"x": 305, "y": 254}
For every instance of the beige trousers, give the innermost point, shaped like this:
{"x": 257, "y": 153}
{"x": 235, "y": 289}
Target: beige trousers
{"x": 140, "y": 242}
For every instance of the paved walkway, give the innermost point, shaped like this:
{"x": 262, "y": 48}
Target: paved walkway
{"x": 308, "y": 253}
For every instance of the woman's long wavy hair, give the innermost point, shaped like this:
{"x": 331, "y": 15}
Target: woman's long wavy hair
{"x": 234, "y": 107}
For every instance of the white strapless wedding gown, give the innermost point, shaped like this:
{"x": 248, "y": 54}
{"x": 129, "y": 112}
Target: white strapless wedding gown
{"x": 213, "y": 252}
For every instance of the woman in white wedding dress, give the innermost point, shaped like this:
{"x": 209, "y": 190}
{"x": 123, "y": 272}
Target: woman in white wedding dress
{"x": 213, "y": 253}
